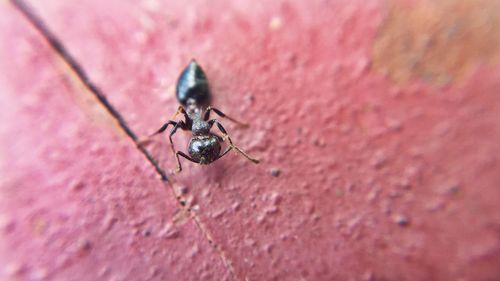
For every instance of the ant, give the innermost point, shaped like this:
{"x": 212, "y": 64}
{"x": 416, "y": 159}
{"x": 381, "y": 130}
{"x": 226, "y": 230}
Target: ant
{"x": 193, "y": 94}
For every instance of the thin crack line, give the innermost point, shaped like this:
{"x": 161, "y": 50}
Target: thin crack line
{"x": 227, "y": 262}
{"x": 57, "y": 45}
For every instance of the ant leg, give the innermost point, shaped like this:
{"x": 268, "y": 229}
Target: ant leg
{"x": 231, "y": 145}
{"x": 182, "y": 125}
{"x": 224, "y": 153}
{"x": 221, "y": 139}
{"x": 169, "y": 122}
{"x": 181, "y": 109}
{"x": 179, "y": 167}
{"x": 164, "y": 127}
{"x": 221, "y": 114}
{"x": 146, "y": 140}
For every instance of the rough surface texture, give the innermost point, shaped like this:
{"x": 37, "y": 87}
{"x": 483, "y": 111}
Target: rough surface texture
{"x": 78, "y": 201}
{"x": 371, "y": 169}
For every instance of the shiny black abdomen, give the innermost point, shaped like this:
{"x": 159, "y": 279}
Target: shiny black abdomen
{"x": 193, "y": 84}
{"x": 204, "y": 149}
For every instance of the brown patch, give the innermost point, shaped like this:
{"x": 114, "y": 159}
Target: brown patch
{"x": 437, "y": 41}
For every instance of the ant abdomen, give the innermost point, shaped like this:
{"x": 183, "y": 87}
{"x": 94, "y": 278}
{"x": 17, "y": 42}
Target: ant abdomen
{"x": 193, "y": 84}
{"x": 204, "y": 149}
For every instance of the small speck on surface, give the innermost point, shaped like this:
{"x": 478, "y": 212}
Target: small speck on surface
{"x": 250, "y": 97}
{"x": 168, "y": 232}
{"x": 195, "y": 208}
{"x": 453, "y": 189}
{"x": 84, "y": 245}
{"x": 275, "y": 23}
{"x": 235, "y": 206}
{"x": 401, "y": 220}
{"x": 146, "y": 232}
{"x": 319, "y": 142}
{"x": 77, "y": 185}
{"x": 182, "y": 189}
{"x": 339, "y": 192}
{"x": 275, "y": 172}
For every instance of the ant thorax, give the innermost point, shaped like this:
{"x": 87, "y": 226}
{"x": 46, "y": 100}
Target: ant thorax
{"x": 199, "y": 127}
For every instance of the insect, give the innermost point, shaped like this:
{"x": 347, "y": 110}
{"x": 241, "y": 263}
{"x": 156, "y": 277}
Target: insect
{"x": 193, "y": 94}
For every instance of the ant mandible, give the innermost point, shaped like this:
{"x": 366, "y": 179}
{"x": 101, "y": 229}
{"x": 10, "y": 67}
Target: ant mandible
{"x": 193, "y": 94}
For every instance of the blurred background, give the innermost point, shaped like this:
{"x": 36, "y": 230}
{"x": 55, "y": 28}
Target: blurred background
{"x": 377, "y": 124}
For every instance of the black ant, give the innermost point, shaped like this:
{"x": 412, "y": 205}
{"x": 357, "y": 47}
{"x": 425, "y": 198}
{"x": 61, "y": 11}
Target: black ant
{"x": 193, "y": 94}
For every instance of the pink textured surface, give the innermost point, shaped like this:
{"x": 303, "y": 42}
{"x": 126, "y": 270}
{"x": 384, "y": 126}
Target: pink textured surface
{"x": 378, "y": 181}
{"x": 78, "y": 201}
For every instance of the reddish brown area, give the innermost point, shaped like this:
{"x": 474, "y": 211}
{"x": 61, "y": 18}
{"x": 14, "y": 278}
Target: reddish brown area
{"x": 377, "y": 181}
{"x": 437, "y": 41}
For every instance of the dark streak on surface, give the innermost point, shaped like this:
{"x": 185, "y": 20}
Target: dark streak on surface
{"x": 56, "y": 44}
